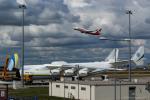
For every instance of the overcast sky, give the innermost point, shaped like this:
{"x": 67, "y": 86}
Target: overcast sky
{"x": 49, "y": 35}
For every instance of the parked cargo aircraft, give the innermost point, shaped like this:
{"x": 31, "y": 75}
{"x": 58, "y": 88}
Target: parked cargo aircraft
{"x": 91, "y": 67}
{"x": 96, "y": 32}
{"x": 69, "y": 69}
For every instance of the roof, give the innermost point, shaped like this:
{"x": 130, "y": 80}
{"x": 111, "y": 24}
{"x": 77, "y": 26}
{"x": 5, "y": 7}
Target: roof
{"x": 138, "y": 81}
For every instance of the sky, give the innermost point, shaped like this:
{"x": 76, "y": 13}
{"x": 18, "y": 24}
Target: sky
{"x": 49, "y": 34}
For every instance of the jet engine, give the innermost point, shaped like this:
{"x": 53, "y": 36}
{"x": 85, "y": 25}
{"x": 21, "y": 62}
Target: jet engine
{"x": 56, "y": 71}
{"x": 83, "y": 72}
{"x": 70, "y": 72}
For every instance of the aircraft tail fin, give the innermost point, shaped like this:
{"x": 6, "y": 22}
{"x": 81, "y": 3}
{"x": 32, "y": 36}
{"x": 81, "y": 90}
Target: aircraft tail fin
{"x": 113, "y": 56}
{"x": 99, "y": 30}
{"x": 138, "y": 57}
{"x": 13, "y": 62}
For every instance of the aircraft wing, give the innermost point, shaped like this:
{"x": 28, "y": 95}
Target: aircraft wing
{"x": 104, "y": 69}
{"x": 75, "y": 66}
{"x": 53, "y": 66}
{"x": 65, "y": 66}
{"x": 94, "y": 69}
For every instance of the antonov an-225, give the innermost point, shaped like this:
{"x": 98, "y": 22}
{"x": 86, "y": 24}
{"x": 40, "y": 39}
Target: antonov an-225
{"x": 55, "y": 68}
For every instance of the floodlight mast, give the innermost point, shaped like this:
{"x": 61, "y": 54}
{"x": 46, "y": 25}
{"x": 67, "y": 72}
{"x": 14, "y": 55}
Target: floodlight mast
{"x": 23, "y": 7}
{"x": 129, "y": 12}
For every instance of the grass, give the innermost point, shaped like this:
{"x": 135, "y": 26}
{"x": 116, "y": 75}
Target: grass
{"x": 26, "y": 93}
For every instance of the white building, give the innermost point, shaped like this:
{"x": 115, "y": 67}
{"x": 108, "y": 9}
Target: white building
{"x": 100, "y": 90}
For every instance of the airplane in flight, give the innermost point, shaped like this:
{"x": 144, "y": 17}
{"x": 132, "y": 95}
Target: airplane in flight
{"x": 82, "y": 30}
{"x": 70, "y": 69}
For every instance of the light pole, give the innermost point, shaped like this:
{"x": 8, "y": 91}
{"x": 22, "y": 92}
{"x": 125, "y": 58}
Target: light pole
{"x": 129, "y": 12}
{"x": 23, "y": 7}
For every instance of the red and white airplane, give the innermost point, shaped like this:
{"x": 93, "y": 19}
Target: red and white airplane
{"x": 96, "y": 32}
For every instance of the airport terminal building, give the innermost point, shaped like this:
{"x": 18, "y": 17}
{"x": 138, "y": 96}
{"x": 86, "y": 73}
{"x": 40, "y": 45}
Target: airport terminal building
{"x": 101, "y": 90}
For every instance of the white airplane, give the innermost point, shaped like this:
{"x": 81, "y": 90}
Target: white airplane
{"x": 85, "y": 68}
{"x": 56, "y": 67}
{"x": 69, "y": 69}
{"x": 91, "y": 67}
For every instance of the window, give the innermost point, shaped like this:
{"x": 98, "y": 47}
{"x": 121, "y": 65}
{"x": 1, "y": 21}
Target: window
{"x": 132, "y": 94}
{"x": 72, "y": 87}
{"x": 57, "y": 86}
{"x": 147, "y": 87}
{"x": 66, "y": 87}
{"x": 83, "y": 88}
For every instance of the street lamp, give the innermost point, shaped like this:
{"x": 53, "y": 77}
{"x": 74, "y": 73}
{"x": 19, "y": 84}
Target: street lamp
{"x": 129, "y": 12}
{"x": 22, "y": 5}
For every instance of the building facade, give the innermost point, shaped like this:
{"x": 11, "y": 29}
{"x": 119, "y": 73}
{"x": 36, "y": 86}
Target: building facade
{"x": 92, "y": 90}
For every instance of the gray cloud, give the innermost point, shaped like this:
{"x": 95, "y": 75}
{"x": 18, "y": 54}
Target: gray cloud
{"x": 147, "y": 20}
{"x": 49, "y": 33}
{"x": 40, "y": 13}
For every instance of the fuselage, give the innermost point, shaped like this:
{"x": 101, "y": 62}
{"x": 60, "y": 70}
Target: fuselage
{"x": 45, "y": 69}
{"x": 96, "y": 32}
{"x": 94, "y": 65}
{"x": 38, "y": 70}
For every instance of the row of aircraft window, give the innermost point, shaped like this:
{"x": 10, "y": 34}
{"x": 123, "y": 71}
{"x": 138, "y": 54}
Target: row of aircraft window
{"x": 72, "y": 87}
